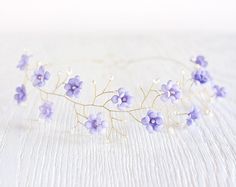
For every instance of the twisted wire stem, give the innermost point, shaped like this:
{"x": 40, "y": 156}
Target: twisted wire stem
{"x": 81, "y": 117}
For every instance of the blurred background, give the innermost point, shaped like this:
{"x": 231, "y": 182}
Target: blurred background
{"x": 122, "y": 15}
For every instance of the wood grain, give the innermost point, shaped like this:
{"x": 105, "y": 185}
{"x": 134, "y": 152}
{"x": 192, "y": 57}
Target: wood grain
{"x": 35, "y": 153}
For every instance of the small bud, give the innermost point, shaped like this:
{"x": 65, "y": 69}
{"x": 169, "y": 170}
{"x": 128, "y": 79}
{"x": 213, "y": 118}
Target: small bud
{"x": 39, "y": 63}
{"x": 156, "y": 81}
{"x": 69, "y": 71}
{"x": 59, "y": 73}
{"x": 207, "y": 112}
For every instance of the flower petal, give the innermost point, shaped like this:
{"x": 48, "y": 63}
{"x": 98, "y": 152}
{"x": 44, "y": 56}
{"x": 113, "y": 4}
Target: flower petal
{"x": 164, "y": 88}
{"x": 149, "y": 128}
{"x": 114, "y": 99}
{"x": 46, "y": 75}
{"x": 88, "y": 124}
{"x": 67, "y": 86}
{"x": 169, "y": 84}
{"x": 69, "y": 93}
{"x": 152, "y": 114}
{"x": 189, "y": 122}
{"x": 145, "y": 120}
{"x": 164, "y": 97}
{"x": 121, "y": 90}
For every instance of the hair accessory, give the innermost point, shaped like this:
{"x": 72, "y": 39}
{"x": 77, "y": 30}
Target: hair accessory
{"x": 172, "y": 104}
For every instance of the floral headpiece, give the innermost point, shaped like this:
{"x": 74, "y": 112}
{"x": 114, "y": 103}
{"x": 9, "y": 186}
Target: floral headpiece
{"x": 170, "y": 105}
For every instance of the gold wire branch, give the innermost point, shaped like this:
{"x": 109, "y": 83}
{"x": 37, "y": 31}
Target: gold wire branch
{"x": 103, "y": 106}
{"x": 82, "y": 115}
{"x": 104, "y": 92}
{"x": 146, "y": 94}
{"x": 148, "y": 101}
{"x": 59, "y": 82}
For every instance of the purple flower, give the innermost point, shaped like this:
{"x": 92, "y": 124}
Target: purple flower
{"x": 73, "y": 87}
{"x": 200, "y": 60}
{"x": 20, "y": 95}
{"x": 170, "y": 92}
{"x": 46, "y": 110}
{"x": 193, "y": 115}
{"x": 201, "y": 76}
{"x": 40, "y": 76}
{"x": 219, "y": 91}
{"x": 153, "y": 121}
{"x": 96, "y": 124}
{"x": 23, "y": 62}
{"x": 123, "y": 99}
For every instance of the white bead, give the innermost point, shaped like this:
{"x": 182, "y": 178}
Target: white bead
{"x": 111, "y": 78}
{"x": 69, "y": 71}
{"x": 156, "y": 81}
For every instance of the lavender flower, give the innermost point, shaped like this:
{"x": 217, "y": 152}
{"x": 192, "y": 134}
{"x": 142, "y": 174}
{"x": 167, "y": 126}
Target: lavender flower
{"x": 193, "y": 115}
{"x": 200, "y": 60}
{"x": 40, "y": 76}
{"x": 153, "y": 121}
{"x": 201, "y": 76}
{"x": 73, "y": 87}
{"x": 20, "y": 95}
{"x": 170, "y": 92}
{"x": 123, "y": 99}
{"x": 46, "y": 110}
{"x": 96, "y": 124}
{"x": 23, "y": 62}
{"x": 219, "y": 91}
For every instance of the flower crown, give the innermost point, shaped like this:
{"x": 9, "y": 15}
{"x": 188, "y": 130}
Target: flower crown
{"x": 170, "y": 105}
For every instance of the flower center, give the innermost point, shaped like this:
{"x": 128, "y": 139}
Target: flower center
{"x": 95, "y": 124}
{"x": 152, "y": 121}
{"x": 172, "y": 92}
{"x": 39, "y": 77}
{"x": 47, "y": 111}
{"x": 124, "y": 99}
{"x": 74, "y": 87}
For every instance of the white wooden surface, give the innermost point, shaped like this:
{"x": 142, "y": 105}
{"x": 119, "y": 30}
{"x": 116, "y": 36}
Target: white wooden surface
{"x": 41, "y": 154}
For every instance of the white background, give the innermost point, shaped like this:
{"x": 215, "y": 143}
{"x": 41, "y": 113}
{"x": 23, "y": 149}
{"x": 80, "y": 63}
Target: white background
{"x": 39, "y": 154}
{"x": 93, "y": 16}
